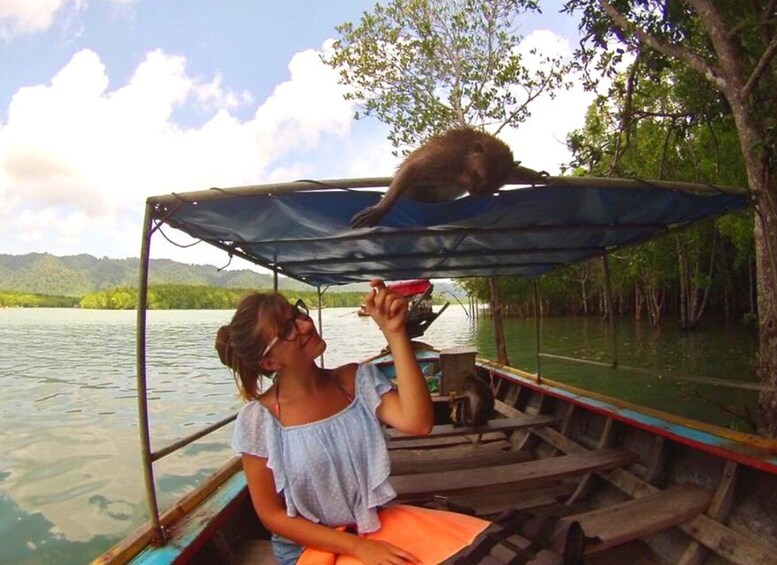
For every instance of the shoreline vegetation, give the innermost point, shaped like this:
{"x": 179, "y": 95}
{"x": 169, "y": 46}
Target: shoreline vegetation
{"x": 168, "y": 297}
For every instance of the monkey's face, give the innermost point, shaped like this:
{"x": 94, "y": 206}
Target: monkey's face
{"x": 484, "y": 174}
{"x": 474, "y": 175}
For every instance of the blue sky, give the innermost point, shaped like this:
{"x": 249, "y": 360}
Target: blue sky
{"x": 106, "y": 102}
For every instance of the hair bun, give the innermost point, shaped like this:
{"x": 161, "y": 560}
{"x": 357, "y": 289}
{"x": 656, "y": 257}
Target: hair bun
{"x": 223, "y": 348}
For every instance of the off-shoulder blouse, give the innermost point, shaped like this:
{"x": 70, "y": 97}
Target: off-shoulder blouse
{"x": 333, "y": 471}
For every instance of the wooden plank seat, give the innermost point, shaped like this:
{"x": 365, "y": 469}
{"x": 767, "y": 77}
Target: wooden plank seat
{"x": 412, "y": 461}
{"x": 632, "y": 553}
{"x": 420, "y": 442}
{"x": 638, "y": 518}
{"x": 530, "y": 474}
{"x": 721, "y": 539}
{"x": 494, "y": 425}
{"x": 498, "y": 500}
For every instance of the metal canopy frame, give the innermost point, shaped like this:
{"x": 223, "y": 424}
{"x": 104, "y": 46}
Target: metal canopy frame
{"x": 164, "y": 209}
{"x": 464, "y": 238}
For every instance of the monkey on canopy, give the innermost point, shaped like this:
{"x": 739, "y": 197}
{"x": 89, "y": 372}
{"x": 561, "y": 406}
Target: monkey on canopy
{"x": 444, "y": 168}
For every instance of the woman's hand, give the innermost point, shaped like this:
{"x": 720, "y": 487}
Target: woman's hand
{"x": 375, "y": 552}
{"x": 386, "y": 307}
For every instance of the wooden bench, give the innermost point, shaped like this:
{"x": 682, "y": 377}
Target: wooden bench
{"x": 531, "y": 474}
{"x": 468, "y": 456}
{"x": 721, "y": 539}
{"x": 420, "y": 442}
{"x": 497, "y": 500}
{"x": 495, "y": 425}
{"x": 638, "y": 518}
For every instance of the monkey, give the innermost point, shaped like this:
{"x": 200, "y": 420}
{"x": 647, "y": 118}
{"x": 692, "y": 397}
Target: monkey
{"x": 444, "y": 168}
{"x": 474, "y": 404}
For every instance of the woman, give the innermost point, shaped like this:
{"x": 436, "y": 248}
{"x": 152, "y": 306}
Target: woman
{"x": 313, "y": 451}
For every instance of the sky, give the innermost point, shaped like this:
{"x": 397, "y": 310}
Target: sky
{"x": 106, "y": 102}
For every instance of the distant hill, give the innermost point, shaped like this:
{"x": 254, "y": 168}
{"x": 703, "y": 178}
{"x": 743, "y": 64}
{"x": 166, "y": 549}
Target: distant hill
{"x": 77, "y": 275}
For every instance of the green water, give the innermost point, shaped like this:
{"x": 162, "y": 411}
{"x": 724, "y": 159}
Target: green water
{"x": 719, "y": 352}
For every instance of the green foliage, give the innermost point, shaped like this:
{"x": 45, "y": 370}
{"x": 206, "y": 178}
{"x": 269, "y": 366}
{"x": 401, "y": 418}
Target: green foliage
{"x": 12, "y": 299}
{"x": 738, "y": 228}
{"x": 200, "y": 297}
{"x": 422, "y": 66}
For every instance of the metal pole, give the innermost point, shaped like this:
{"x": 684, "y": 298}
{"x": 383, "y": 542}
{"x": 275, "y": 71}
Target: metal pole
{"x": 610, "y": 309}
{"x": 275, "y": 280}
{"x": 320, "y": 322}
{"x": 537, "y": 330}
{"x": 145, "y": 436}
{"x": 175, "y": 446}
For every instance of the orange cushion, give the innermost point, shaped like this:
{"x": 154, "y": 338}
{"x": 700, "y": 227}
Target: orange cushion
{"x": 431, "y": 535}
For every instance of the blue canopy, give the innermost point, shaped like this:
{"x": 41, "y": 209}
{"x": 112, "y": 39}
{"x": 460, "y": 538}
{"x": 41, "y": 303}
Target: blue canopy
{"x": 303, "y": 231}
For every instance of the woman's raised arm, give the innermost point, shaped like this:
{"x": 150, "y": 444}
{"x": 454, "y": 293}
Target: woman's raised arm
{"x": 409, "y": 409}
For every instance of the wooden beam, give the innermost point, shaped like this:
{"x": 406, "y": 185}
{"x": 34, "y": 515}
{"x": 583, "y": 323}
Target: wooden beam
{"x": 495, "y": 425}
{"x": 642, "y": 517}
{"x": 529, "y": 475}
{"x": 474, "y": 456}
{"x": 696, "y": 553}
{"x": 425, "y": 441}
{"x": 724, "y": 541}
{"x": 605, "y": 440}
{"x": 498, "y": 500}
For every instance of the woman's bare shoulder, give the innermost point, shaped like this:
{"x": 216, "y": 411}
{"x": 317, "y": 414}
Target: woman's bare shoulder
{"x": 346, "y": 376}
{"x": 267, "y": 398}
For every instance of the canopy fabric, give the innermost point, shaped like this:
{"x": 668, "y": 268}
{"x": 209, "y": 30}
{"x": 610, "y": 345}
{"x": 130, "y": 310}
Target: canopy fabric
{"x": 526, "y": 231}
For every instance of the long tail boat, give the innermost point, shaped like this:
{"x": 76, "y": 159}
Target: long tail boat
{"x": 647, "y": 486}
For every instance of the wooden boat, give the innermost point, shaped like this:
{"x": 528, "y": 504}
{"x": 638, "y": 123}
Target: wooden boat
{"x": 650, "y": 486}
{"x": 420, "y": 312}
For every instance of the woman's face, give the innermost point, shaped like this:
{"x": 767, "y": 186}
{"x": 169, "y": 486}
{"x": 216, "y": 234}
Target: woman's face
{"x": 295, "y": 337}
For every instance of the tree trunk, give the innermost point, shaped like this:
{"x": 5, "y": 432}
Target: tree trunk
{"x": 766, "y": 362}
{"x": 496, "y": 315}
{"x": 655, "y": 301}
{"x": 682, "y": 263}
{"x": 760, "y": 154}
{"x": 638, "y": 303}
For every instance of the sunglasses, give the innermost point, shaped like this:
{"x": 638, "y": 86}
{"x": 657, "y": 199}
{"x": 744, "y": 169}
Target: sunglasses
{"x": 289, "y": 330}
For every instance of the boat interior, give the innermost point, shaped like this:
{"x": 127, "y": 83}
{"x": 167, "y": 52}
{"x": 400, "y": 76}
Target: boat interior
{"x": 641, "y": 496}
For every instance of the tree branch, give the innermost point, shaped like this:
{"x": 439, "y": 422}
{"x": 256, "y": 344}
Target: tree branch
{"x": 627, "y": 114}
{"x": 729, "y": 56}
{"x": 696, "y": 62}
{"x": 760, "y": 68}
{"x": 671, "y": 115}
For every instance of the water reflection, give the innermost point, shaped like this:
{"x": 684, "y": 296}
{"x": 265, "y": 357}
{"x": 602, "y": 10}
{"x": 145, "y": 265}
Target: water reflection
{"x": 70, "y": 478}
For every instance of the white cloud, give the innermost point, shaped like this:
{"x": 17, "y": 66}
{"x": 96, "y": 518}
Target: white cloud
{"x": 78, "y": 157}
{"x": 76, "y": 153}
{"x": 20, "y": 17}
{"x": 540, "y": 142}
{"x": 25, "y": 17}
